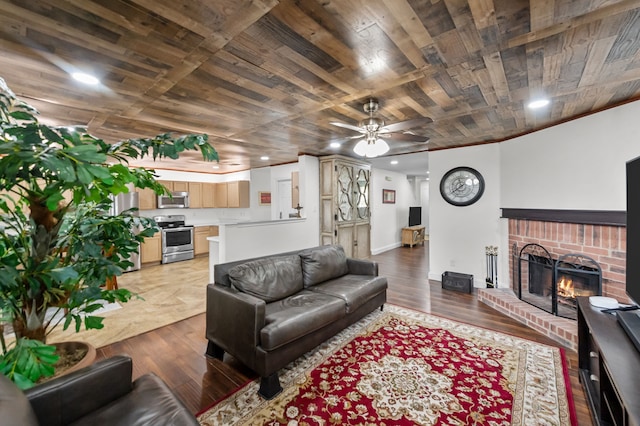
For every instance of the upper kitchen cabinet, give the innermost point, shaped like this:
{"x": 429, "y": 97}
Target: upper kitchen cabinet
{"x": 195, "y": 194}
{"x": 179, "y": 186}
{"x": 295, "y": 189}
{"x": 147, "y": 199}
{"x": 238, "y": 194}
{"x": 220, "y": 195}
{"x": 167, "y": 184}
{"x": 208, "y": 195}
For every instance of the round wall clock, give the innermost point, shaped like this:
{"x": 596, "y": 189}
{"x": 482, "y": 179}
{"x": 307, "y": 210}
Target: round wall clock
{"x": 462, "y": 186}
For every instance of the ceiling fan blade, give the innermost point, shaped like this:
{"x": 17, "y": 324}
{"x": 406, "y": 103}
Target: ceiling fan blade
{"x": 403, "y": 125}
{"x": 347, "y": 139}
{"x": 347, "y": 126}
{"x": 405, "y": 137}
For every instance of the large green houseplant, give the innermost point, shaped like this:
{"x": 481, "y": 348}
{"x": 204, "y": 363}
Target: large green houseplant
{"x": 58, "y": 243}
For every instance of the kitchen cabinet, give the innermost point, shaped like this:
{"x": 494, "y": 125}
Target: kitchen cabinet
{"x": 147, "y": 199}
{"x": 167, "y": 183}
{"x": 208, "y": 195}
{"x": 295, "y": 189}
{"x": 204, "y": 194}
{"x": 238, "y": 194}
{"x": 201, "y": 245}
{"x": 220, "y": 196}
{"x": 344, "y": 205}
{"x": 195, "y": 195}
{"x": 151, "y": 249}
{"x": 179, "y": 186}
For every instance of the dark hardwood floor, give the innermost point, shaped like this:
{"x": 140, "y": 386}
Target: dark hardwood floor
{"x": 176, "y": 352}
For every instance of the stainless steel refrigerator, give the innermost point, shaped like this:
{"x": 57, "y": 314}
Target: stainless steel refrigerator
{"x": 123, "y": 202}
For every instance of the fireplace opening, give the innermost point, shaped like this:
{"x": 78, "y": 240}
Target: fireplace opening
{"x": 575, "y": 275}
{"x": 553, "y": 284}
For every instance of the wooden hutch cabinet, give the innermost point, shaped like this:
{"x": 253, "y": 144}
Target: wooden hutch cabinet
{"x": 344, "y": 204}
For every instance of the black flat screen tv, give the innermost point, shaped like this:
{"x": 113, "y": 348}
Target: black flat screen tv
{"x": 415, "y": 216}
{"x": 630, "y": 320}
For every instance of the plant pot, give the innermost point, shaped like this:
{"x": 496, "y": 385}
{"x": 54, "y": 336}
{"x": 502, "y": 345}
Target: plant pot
{"x": 70, "y": 354}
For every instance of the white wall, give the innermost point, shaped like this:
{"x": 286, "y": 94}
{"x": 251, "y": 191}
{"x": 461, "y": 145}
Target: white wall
{"x": 243, "y": 241}
{"x": 260, "y": 182}
{"x": 387, "y": 220}
{"x": 458, "y": 235}
{"x": 424, "y": 201}
{"x": 575, "y": 165}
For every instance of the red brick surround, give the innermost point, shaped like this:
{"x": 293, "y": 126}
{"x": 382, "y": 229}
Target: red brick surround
{"x": 605, "y": 244}
{"x": 562, "y": 330}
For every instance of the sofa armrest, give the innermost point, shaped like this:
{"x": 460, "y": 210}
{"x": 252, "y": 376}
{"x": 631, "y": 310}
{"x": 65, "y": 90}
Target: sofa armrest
{"x": 67, "y": 398}
{"x": 362, "y": 267}
{"x": 234, "y": 320}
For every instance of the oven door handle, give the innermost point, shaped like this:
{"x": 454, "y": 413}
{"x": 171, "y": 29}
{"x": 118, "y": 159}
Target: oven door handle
{"x": 167, "y": 230}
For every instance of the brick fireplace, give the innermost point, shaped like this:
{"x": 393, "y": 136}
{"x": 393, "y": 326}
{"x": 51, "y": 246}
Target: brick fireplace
{"x": 601, "y": 235}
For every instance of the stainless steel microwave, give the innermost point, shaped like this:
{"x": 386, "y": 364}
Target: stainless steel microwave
{"x": 177, "y": 200}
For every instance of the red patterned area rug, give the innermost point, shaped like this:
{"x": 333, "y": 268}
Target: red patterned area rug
{"x": 402, "y": 367}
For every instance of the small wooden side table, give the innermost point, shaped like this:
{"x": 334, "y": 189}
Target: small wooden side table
{"x": 413, "y": 235}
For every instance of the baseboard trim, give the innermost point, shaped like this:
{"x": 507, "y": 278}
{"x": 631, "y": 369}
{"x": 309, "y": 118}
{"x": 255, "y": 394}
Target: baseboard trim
{"x": 385, "y": 248}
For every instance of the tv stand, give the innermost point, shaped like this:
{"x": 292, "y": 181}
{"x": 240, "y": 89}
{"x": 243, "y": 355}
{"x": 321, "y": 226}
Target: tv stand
{"x": 630, "y": 322}
{"x": 609, "y": 367}
{"x": 413, "y": 235}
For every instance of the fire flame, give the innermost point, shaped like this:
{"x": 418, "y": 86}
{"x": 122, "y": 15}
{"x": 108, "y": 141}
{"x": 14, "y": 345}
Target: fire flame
{"x": 566, "y": 288}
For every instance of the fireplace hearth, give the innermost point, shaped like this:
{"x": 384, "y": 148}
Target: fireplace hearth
{"x": 553, "y": 284}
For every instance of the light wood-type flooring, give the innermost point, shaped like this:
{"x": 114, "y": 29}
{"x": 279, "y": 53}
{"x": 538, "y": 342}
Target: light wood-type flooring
{"x": 176, "y": 352}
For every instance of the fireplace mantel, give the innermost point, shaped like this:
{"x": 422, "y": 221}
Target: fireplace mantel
{"x": 587, "y": 217}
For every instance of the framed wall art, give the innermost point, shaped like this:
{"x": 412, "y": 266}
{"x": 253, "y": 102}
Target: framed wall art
{"x": 264, "y": 198}
{"x": 388, "y": 196}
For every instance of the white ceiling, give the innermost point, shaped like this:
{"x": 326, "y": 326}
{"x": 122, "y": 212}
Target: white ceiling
{"x": 416, "y": 164}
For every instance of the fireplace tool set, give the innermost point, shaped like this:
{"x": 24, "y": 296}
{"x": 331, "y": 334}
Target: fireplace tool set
{"x": 492, "y": 266}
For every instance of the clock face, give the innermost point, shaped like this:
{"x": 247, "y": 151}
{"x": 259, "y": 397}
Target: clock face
{"x": 462, "y": 186}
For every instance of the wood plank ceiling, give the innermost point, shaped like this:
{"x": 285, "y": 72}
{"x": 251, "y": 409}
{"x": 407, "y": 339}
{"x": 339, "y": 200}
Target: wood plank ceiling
{"x": 266, "y": 77}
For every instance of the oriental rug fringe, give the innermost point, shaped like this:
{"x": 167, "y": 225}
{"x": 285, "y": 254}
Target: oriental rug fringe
{"x": 403, "y": 367}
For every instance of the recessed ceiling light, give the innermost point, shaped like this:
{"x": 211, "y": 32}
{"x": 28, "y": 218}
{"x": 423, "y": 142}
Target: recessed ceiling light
{"x": 394, "y": 161}
{"x": 85, "y": 78}
{"x": 538, "y": 103}
{"x": 334, "y": 144}
{"x": 264, "y": 158}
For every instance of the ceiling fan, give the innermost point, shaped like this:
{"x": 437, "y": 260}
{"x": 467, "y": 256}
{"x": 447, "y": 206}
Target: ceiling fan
{"x": 373, "y": 129}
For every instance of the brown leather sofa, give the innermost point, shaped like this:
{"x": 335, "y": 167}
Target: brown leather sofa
{"x": 268, "y": 311}
{"x": 100, "y": 394}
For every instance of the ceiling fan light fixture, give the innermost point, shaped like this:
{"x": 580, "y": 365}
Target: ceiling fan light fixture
{"x": 538, "y": 103}
{"x": 371, "y": 149}
{"x": 85, "y": 78}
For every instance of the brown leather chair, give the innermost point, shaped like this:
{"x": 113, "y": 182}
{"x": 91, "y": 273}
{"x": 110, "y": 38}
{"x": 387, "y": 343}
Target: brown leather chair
{"x": 100, "y": 394}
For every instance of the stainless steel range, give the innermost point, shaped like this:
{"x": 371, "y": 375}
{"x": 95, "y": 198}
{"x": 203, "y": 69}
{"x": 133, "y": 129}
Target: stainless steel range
{"x": 177, "y": 238}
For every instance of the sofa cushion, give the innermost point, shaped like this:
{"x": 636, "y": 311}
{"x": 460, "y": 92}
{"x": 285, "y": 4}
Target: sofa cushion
{"x": 150, "y": 402}
{"x": 270, "y": 278}
{"x": 323, "y": 263}
{"x": 298, "y": 315}
{"x": 355, "y": 290}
